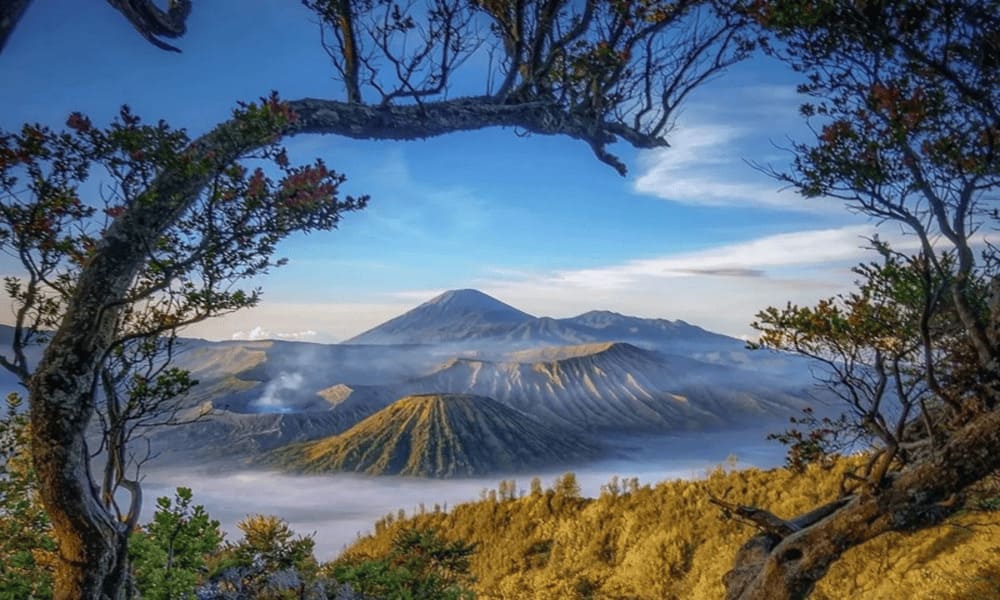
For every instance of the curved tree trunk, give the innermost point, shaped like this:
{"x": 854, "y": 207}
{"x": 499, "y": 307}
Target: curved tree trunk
{"x": 772, "y": 567}
{"x": 93, "y": 561}
{"x": 91, "y": 541}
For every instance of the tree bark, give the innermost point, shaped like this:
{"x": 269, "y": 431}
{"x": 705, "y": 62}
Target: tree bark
{"x": 769, "y": 567}
{"x": 430, "y": 119}
{"x": 153, "y": 23}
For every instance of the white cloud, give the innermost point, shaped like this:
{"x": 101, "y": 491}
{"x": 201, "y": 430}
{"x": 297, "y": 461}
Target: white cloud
{"x": 323, "y": 322}
{"x": 297, "y": 335}
{"x": 719, "y": 288}
{"x": 257, "y": 333}
{"x": 705, "y": 166}
{"x": 752, "y": 258}
{"x": 260, "y": 333}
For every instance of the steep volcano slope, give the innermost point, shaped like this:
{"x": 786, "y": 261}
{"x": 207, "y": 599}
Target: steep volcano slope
{"x": 437, "y": 435}
{"x": 454, "y": 316}
{"x": 614, "y": 387}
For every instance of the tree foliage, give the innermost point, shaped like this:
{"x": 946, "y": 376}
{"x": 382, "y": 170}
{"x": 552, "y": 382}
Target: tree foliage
{"x": 905, "y": 98}
{"x": 27, "y": 548}
{"x": 270, "y": 561}
{"x": 169, "y": 554}
{"x": 419, "y": 566}
{"x": 56, "y": 221}
{"x": 893, "y": 352}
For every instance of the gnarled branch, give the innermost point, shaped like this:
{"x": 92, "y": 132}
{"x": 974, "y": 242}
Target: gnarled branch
{"x": 787, "y": 568}
{"x": 153, "y": 23}
{"x": 149, "y": 20}
{"x": 11, "y": 12}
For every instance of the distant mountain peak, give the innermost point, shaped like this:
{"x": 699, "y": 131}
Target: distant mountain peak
{"x": 469, "y": 317}
{"x": 463, "y": 294}
{"x": 455, "y": 315}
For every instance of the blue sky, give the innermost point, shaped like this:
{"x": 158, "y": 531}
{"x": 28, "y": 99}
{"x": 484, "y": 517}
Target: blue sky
{"x": 692, "y": 233}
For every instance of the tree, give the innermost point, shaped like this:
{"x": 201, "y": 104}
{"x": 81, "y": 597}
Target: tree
{"x": 904, "y": 106}
{"x": 596, "y": 71}
{"x": 168, "y": 554}
{"x": 420, "y": 565}
{"x": 566, "y": 486}
{"x": 270, "y": 561}
{"x": 536, "y": 487}
{"x": 873, "y": 345}
{"x": 27, "y": 549}
{"x": 178, "y": 269}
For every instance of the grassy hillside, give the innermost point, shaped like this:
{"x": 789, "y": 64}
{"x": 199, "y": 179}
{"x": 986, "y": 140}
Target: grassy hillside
{"x": 667, "y": 541}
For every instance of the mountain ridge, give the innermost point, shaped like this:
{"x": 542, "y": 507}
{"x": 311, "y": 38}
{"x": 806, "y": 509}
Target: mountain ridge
{"x": 610, "y": 387}
{"x": 468, "y": 316}
{"x": 599, "y": 373}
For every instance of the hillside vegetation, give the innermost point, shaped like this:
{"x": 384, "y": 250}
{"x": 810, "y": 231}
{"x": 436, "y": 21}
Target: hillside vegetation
{"x": 668, "y": 541}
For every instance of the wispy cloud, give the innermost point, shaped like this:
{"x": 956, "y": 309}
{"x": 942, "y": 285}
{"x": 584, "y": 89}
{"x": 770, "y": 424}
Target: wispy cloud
{"x": 408, "y": 206}
{"x": 753, "y": 258}
{"x": 704, "y": 166}
{"x": 720, "y": 288}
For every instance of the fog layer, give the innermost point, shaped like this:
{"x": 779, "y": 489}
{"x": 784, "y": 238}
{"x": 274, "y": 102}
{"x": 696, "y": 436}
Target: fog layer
{"x": 338, "y": 508}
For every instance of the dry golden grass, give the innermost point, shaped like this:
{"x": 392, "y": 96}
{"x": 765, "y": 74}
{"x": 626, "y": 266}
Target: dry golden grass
{"x": 668, "y": 541}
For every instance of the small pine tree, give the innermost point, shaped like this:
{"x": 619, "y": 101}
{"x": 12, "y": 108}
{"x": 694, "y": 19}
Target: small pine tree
{"x": 419, "y": 566}
{"x": 270, "y": 562}
{"x": 567, "y": 486}
{"x": 168, "y": 555}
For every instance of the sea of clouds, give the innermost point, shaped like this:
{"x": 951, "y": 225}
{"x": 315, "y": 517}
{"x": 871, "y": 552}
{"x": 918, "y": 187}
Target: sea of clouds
{"x": 339, "y": 507}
